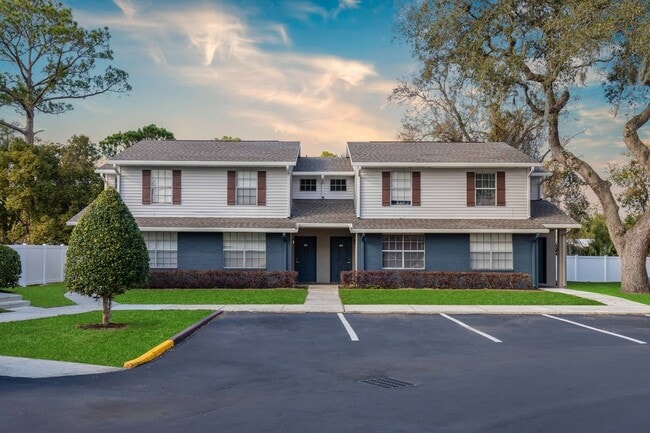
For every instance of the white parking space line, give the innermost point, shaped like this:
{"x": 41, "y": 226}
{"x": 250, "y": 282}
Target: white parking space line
{"x": 596, "y": 329}
{"x": 346, "y": 325}
{"x": 466, "y": 326}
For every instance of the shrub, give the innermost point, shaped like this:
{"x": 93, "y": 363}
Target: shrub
{"x": 107, "y": 254}
{"x": 225, "y": 279}
{"x": 436, "y": 279}
{"x": 10, "y": 268}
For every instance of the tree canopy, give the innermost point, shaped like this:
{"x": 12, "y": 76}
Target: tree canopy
{"x": 107, "y": 254}
{"x": 49, "y": 60}
{"x": 119, "y": 141}
{"x": 539, "y": 51}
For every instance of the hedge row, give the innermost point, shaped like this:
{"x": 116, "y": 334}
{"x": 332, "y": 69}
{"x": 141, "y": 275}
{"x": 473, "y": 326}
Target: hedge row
{"x": 438, "y": 280}
{"x": 196, "y": 279}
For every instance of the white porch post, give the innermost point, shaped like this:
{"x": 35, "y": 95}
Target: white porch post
{"x": 561, "y": 258}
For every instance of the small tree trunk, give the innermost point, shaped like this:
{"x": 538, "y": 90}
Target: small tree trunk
{"x": 106, "y": 310}
{"x": 634, "y": 275}
{"x": 29, "y": 126}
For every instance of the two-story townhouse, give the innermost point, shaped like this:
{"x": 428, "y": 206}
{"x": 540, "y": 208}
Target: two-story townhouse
{"x": 384, "y": 205}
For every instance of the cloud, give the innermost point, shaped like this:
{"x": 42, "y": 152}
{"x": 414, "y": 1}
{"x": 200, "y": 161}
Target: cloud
{"x": 304, "y": 10}
{"x": 320, "y": 99}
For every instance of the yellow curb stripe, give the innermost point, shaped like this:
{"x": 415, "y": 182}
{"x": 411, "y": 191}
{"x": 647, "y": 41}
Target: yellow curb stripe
{"x": 150, "y": 355}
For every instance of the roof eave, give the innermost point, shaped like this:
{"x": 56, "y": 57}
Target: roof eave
{"x": 483, "y": 230}
{"x": 324, "y": 173}
{"x": 562, "y": 226}
{"x": 218, "y": 229}
{"x": 151, "y": 163}
{"x": 448, "y": 164}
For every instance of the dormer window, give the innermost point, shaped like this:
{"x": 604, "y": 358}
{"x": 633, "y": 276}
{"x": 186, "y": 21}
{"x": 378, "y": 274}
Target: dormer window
{"x": 338, "y": 185}
{"x": 308, "y": 184}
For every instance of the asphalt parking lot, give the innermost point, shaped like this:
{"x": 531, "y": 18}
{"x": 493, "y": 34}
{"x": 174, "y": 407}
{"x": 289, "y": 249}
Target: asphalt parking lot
{"x": 306, "y": 373}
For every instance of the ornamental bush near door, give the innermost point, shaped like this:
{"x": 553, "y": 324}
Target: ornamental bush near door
{"x": 224, "y": 279}
{"x": 10, "y": 268}
{"x": 395, "y": 279}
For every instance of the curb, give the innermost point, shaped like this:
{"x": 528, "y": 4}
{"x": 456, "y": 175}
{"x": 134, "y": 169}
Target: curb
{"x": 163, "y": 347}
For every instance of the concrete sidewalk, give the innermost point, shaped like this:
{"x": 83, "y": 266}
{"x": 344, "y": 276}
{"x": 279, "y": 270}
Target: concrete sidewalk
{"x": 320, "y": 299}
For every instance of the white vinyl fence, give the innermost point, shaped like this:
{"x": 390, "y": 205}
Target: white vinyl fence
{"x": 596, "y": 269}
{"x": 41, "y": 264}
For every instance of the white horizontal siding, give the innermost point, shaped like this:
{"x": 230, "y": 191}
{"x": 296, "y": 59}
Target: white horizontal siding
{"x": 323, "y": 188}
{"x": 204, "y": 193}
{"x": 443, "y": 195}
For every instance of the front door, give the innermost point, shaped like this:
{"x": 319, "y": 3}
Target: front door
{"x": 340, "y": 257}
{"x": 541, "y": 260}
{"x": 304, "y": 254}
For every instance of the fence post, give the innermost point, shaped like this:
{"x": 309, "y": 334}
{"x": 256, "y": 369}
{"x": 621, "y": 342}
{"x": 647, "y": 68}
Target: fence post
{"x": 44, "y": 260}
{"x": 604, "y": 268}
{"x": 575, "y": 269}
{"x": 23, "y": 261}
{"x": 62, "y": 257}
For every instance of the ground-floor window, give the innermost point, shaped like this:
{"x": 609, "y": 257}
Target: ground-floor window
{"x": 244, "y": 250}
{"x": 491, "y": 251}
{"x": 402, "y": 252}
{"x": 163, "y": 249}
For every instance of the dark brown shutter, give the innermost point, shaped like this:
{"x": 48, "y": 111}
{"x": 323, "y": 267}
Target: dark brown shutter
{"x": 471, "y": 189}
{"x": 146, "y": 186}
{"x": 232, "y": 181}
{"x": 385, "y": 188}
{"x": 415, "y": 188}
{"x": 501, "y": 188}
{"x": 261, "y": 188}
{"x": 176, "y": 187}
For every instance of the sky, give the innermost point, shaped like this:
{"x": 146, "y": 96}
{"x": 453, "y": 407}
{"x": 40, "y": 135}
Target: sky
{"x": 319, "y": 72}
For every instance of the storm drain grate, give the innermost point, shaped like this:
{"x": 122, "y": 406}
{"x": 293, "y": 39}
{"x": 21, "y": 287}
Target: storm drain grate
{"x": 387, "y": 382}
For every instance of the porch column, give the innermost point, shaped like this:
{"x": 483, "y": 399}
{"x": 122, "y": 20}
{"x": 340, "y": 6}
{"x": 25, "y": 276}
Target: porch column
{"x": 561, "y": 257}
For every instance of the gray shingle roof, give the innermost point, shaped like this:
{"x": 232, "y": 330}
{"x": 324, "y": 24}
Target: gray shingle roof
{"x": 545, "y": 212}
{"x": 454, "y": 225}
{"x": 214, "y": 223}
{"x": 435, "y": 152}
{"x": 211, "y": 150}
{"x": 323, "y": 164}
{"x": 323, "y": 211}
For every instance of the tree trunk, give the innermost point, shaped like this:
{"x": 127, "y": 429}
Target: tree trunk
{"x": 634, "y": 275}
{"x": 106, "y": 310}
{"x": 29, "y": 127}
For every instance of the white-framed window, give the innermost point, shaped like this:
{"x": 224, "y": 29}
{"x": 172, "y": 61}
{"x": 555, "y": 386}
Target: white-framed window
{"x": 400, "y": 188}
{"x": 244, "y": 250}
{"x": 161, "y": 186}
{"x": 162, "y": 248}
{"x": 486, "y": 189}
{"x": 247, "y": 187}
{"x": 308, "y": 184}
{"x": 402, "y": 252}
{"x": 338, "y": 185}
{"x": 491, "y": 251}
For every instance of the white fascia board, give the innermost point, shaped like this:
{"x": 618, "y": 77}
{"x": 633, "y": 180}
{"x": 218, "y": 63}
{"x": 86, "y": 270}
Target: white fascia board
{"x": 105, "y": 171}
{"x": 323, "y": 173}
{"x": 563, "y": 226}
{"x": 543, "y": 174}
{"x": 217, "y": 229}
{"x": 389, "y": 230}
{"x": 204, "y": 163}
{"x": 389, "y": 165}
{"x": 325, "y": 226}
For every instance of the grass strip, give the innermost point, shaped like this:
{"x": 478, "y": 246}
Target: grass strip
{"x": 612, "y": 289}
{"x": 58, "y": 338}
{"x": 47, "y": 296}
{"x": 213, "y": 296}
{"x": 458, "y": 297}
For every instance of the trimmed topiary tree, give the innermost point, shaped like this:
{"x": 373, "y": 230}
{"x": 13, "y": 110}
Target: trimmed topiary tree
{"x": 10, "y": 268}
{"x": 107, "y": 254}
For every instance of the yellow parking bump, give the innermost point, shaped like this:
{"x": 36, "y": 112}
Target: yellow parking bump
{"x": 150, "y": 355}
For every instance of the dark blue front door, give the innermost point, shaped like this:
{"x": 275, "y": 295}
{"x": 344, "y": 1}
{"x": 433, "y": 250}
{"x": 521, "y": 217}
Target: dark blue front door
{"x": 340, "y": 257}
{"x": 304, "y": 254}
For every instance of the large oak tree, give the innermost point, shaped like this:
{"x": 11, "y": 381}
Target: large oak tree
{"x": 48, "y": 60}
{"x": 541, "y": 50}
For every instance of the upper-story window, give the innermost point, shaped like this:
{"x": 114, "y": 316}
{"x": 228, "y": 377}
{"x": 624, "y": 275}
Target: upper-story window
{"x": 400, "y": 187}
{"x": 338, "y": 185}
{"x": 486, "y": 189}
{"x": 161, "y": 186}
{"x": 307, "y": 184}
{"x": 247, "y": 187}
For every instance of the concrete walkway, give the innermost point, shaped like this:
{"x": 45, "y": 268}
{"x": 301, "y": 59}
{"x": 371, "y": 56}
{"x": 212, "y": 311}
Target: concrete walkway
{"x": 320, "y": 299}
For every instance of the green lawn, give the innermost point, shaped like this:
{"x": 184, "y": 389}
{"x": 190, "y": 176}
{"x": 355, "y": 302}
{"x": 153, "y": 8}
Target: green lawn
{"x": 58, "y": 338}
{"x": 613, "y": 289}
{"x": 50, "y": 295}
{"x": 459, "y": 297}
{"x": 213, "y": 296}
